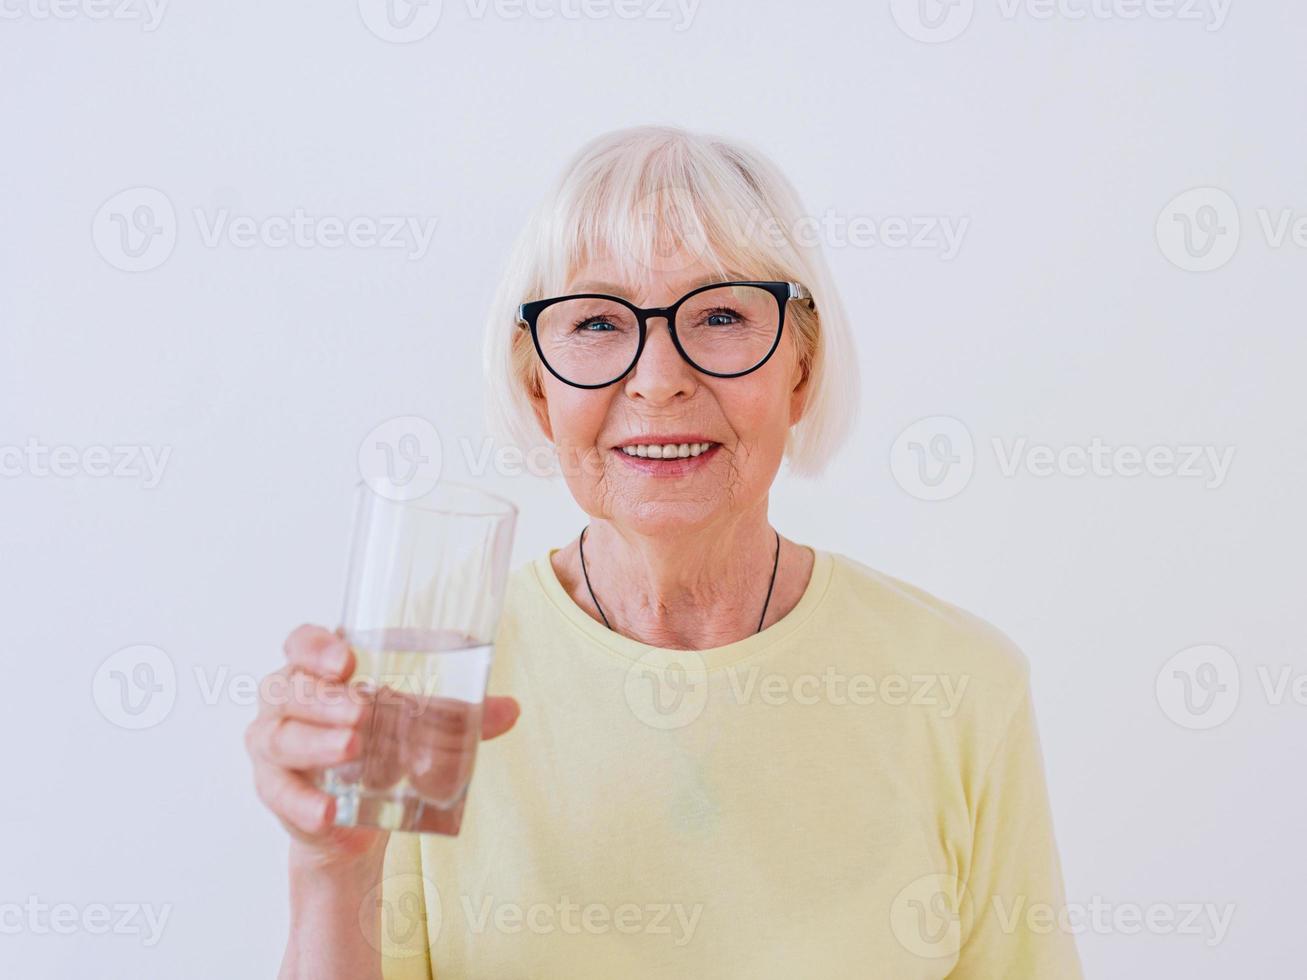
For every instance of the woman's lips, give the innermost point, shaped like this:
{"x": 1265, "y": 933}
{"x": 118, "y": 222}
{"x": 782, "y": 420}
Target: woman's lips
{"x": 679, "y": 466}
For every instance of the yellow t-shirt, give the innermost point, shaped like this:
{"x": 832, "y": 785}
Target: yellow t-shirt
{"x": 856, "y": 791}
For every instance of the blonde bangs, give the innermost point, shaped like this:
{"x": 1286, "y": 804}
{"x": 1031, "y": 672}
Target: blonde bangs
{"x": 634, "y": 214}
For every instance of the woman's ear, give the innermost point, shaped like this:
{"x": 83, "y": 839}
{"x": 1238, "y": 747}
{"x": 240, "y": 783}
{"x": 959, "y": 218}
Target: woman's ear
{"x": 799, "y": 393}
{"x": 540, "y": 406}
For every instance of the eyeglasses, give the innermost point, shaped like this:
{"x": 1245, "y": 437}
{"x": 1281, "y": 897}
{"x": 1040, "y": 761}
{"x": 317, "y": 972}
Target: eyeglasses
{"x": 724, "y": 329}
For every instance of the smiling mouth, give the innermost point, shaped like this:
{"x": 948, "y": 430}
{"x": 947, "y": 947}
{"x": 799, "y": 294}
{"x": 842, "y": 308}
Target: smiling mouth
{"x": 684, "y": 450}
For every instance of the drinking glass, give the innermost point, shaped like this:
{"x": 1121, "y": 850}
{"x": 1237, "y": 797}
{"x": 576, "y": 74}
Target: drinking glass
{"x": 424, "y": 592}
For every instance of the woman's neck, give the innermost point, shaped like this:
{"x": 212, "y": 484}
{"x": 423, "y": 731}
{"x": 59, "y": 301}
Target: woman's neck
{"x": 685, "y": 591}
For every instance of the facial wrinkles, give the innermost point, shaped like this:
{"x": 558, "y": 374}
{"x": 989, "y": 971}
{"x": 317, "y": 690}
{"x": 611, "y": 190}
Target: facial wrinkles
{"x": 735, "y": 467}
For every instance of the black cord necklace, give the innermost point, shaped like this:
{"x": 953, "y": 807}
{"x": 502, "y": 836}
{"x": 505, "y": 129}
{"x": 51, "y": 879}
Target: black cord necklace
{"x": 775, "y": 564}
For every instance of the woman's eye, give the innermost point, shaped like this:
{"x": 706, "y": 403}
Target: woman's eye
{"x": 721, "y": 318}
{"x": 584, "y": 324}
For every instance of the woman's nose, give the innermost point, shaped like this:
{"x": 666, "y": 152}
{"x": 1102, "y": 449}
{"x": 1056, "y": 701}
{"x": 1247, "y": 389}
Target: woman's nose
{"x": 661, "y": 372}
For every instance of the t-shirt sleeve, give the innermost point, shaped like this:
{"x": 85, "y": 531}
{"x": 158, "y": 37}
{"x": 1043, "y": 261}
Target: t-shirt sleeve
{"x": 404, "y": 935}
{"x": 1018, "y": 927}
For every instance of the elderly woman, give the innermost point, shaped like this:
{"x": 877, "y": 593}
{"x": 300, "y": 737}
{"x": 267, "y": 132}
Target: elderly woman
{"x": 737, "y": 756}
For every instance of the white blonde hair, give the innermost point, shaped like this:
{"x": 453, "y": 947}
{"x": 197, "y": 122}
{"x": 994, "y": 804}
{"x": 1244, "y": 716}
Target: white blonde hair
{"x": 632, "y": 191}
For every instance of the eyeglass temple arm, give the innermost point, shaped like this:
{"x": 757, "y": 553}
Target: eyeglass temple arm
{"x": 799, "y": 291}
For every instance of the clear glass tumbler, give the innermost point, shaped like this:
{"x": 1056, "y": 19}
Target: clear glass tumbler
{"x": 425, "y": 590}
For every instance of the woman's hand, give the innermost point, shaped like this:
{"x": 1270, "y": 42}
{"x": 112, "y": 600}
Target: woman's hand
{"x": 309, "y": 718}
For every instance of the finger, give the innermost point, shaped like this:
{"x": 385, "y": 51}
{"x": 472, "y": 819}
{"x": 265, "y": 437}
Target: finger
{"x": 318, "y": 651}
{"x": 289, "y": 743}
{"x": 440, "y": 720}
{"x": 499, "y": 714}
{"x": 269, "y": 703}
{"x": 292, "y": 798}
{"x": 292, "y": 693}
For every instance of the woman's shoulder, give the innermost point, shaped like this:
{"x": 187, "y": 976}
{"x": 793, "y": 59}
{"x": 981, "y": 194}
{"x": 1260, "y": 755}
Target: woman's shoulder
{"x": 907, "y": 617}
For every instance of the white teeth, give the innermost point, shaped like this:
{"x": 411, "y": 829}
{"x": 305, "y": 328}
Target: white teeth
{"x": 667, "y": 452}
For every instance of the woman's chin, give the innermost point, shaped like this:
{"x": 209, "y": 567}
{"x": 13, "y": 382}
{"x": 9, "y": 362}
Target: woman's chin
{"x": 654, "y": 518}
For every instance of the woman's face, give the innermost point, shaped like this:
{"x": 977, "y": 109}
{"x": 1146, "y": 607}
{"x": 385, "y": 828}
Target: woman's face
{"x": 746, "y": 418}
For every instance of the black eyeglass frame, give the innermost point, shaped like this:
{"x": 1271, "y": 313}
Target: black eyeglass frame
{"x": 528, "y": 315}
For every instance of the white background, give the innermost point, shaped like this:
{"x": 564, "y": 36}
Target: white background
{"x": 1064, "y": 317}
